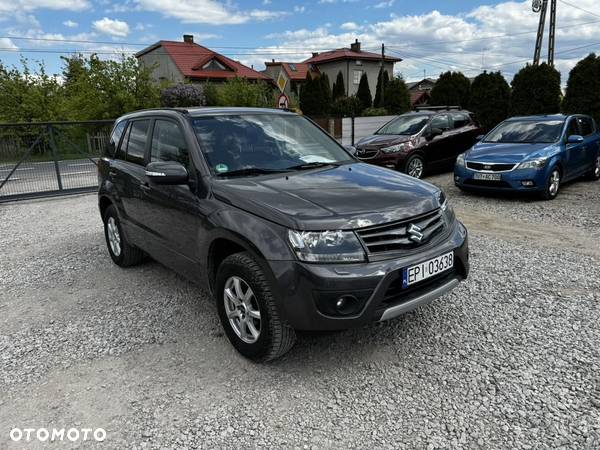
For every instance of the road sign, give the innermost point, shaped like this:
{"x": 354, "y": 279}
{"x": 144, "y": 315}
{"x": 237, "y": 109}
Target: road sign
{"x": 281, "y": 81}
{"x": 283, "y": 102}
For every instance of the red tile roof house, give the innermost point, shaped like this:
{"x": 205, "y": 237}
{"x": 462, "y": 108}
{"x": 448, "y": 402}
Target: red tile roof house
{"x": 293, "y": 73}
{"x": 177, "y": 62}
{"x": 352, "y": 62}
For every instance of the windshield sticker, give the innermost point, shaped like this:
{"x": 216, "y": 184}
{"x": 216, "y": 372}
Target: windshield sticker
{"x": 221, "y": 168}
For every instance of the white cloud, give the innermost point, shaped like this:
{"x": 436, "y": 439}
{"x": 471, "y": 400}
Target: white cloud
{"x": 385, "y": 4}
{"x": 7, "y": 44}
{"x": 299, "y": 9}
{"x": 207, "y": 11}
{"x": 350, "y": 26}
{"x": 13, "y": 6}
{"x": 266, "y": 2}
{"x": 70, "y": 24}
{"x": 112, "y": 27}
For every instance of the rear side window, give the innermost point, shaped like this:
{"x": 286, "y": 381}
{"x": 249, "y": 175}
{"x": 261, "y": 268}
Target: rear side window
{"x": 460, "y": 120}
{"x": 115, "y": 137}
{"x": 136, "y": 145}
{"x": 168, "y": 143}
{"x": 440, "y": 122}
{"x": 587, "y": 125}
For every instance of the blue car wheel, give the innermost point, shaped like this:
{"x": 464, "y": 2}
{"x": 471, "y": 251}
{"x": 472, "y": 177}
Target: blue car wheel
{"x": 552, "y": 184}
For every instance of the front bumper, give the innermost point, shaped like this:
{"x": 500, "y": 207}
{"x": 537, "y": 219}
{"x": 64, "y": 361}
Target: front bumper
{"x": 388, "y": 160}
{"x": 521, "y": 180}
{"x": 299, "y": 286}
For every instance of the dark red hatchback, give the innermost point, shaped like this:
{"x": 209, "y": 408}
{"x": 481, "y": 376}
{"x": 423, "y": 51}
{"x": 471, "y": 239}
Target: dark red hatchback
{"x": 419, "y": 141}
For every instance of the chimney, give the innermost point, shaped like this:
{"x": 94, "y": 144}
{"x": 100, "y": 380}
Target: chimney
{"x": 355, "y": 46}
{"x": 315, "y": 54}
{"x": 272, "y": 60}
{"x": 188, "y": 38}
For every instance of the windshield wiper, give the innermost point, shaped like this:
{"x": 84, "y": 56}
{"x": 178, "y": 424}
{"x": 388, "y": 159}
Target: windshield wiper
{"x": 312, "y": 165}
{"x": 248, "y": 171}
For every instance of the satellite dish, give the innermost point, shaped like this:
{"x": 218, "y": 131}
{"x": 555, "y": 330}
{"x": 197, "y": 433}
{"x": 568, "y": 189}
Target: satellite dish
{"x": 536, "y": 6}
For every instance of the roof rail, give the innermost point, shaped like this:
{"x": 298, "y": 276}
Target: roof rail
{"x": 436, "y": 108}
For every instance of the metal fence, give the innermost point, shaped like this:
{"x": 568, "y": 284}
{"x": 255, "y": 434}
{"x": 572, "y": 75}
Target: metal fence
{"x": 50, "y": 158}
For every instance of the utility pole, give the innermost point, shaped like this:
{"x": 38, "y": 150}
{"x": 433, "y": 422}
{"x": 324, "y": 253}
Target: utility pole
{"x": 382, "y": 71}
{"x": 541, "y": 7}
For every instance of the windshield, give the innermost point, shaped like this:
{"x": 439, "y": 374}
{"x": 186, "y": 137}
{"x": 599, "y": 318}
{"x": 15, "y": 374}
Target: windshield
{"x": 252, "y": 144}
{"x": 407, "y": 125}
{"x": 527, "y": 131}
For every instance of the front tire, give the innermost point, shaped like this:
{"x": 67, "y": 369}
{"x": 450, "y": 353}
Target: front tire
{"x": 553, "y": 184}
{"x": 121, "y": 252}
{"x": 594, "y": 174}
{"x": 248, "y": 312}
{"x": 415, "y": 166}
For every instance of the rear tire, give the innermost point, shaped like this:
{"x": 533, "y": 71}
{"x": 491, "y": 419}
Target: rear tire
{"x": 248, "y": 312}
{"x": 121, "y": 252}
{"x": 553, "y": 184}
{"x": 415, "y": 166}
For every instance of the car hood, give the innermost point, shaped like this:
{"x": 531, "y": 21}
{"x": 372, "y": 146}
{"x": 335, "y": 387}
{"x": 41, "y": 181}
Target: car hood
{"x": 382, "y": 140}
{"x": 504, "y": 152}
{"x": 346, "y": 197}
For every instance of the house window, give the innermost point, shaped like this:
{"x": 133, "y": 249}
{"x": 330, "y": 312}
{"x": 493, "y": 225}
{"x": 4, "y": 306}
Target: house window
{"x": 213, "y": 64}
{"x": 293, "y": 68}
{"x": 357, "y": 75}
{"x": 358, "y": 62}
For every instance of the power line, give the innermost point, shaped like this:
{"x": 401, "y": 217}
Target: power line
{"x": 579, "y": 8}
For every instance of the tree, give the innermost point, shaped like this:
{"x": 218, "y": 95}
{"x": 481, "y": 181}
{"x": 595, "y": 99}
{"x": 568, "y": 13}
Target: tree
{"x": 346, "y": 106}
{"x": 583, "y": 88}
{"x": 396, "y": 97}
{"x": 182, "y": 95}
{"x": 339, "y": 89}
{"x": 325, "y": 97}
{"x": 241, "y": 92}
{"x": 536, "y": 90}
{"x": 309, "y": 102}
{"x": 364, "y": 93}
{"x": 451, "y": 89}
{"x": 382, "y": 78}
{"x": 490, "y": 99}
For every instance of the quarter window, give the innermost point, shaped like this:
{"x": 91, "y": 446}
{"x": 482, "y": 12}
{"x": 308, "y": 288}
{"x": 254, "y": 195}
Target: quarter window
{"x": 115, "y": 137}
{"x": 460, "y": 120}
{"x": 168, "y": 143}
{"x": 136, "y": 145}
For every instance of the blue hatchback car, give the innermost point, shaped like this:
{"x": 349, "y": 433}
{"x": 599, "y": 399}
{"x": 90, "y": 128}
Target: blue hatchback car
{"x": 532, "y": 154}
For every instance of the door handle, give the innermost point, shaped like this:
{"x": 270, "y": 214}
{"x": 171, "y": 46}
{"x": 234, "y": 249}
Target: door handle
{"x": 112, "y": 173}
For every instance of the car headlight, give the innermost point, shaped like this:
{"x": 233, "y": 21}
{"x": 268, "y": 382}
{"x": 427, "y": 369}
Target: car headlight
{"x": 533, "y": 164}
{"x": 393, "y": 149}
{"x": 326, "y": 246}
{"x": 446, "y": 208}
{"x": 460, "y": 160}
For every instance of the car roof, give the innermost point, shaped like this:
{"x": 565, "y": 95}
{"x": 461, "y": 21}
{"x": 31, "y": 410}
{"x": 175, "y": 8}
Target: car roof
{"x": 206, "y": 111}
{"x": 434, "y": 112}
{"x": 539, "y": 117}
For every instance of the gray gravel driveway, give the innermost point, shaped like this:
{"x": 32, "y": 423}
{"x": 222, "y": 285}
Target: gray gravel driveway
{"x": 510, "y": 359}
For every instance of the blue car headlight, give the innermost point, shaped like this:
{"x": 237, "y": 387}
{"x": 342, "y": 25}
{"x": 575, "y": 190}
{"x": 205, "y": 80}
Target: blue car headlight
{"x": 326, "y": 246}
{"x": 460, "y": 160}
{"x": 538, "y": 163}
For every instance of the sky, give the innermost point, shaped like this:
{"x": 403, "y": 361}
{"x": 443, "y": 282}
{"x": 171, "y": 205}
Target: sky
{"x": 431, "y": 36}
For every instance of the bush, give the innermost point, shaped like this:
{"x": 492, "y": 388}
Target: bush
{"x": 397, "y": 98}
{"x": 183, "y": 95}
{"x": 490, "y": 99}
{"x": 451, "y": 89}
{"x": 375, "y": 112}
{"x": 339, "y": 90}
{"x": 346, "y": 106}
{"x": 211, "y": 94}
{"x": 241, "y": 92}
{"x": 364, "y": 93}
{"x": 536, "y": 90}
{"x": 583, "y": 88}
{"x": 382, "y": 78}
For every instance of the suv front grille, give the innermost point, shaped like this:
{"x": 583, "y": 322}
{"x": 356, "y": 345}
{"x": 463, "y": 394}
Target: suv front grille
{"x": 395, "y": 236}
{"x": 366, "y": 153}
{"x": 490, "y": 167}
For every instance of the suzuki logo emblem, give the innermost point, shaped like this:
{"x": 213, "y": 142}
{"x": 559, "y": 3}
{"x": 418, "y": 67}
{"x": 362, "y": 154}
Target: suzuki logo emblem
{"x": 415, "y": 233}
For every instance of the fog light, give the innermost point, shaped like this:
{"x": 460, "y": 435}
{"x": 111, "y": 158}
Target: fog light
{"x": 347, "y": 304}
{"x": 456, "y": 178}
{"x": 527, "y": 183}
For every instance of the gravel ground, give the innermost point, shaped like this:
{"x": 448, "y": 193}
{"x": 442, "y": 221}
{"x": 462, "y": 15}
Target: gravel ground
{"x": 510, "y": 359}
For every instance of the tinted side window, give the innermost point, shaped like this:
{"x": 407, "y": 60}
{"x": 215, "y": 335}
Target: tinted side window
{"x": 115, "y": 137}
{"x": 573, "y": 128}
{"x": 136, "y": 145}
{"x": 122, "y": 150}
{"x": 587, "y": 126}
{"x": 168, "y": 143}
{"x": 440, "y": 122}
{"x": 460, "y": 120}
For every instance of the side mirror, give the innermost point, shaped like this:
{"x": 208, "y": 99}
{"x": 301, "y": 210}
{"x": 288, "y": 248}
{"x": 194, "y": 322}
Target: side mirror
{"x": 479, "y": 138}
{"x": 575, "y": 139}
{"x": 167, "y": 172}
{"x": 350, "y": 149}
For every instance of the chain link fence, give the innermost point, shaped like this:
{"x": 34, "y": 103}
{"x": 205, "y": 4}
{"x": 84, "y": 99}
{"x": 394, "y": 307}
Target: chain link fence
{"x": 50, "y": 158}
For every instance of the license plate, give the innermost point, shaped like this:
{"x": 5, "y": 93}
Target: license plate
{"x": 488, "y": 176}
{"x": 427, "y": 269}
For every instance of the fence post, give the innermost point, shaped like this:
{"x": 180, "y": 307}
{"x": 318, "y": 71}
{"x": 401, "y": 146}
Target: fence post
{"x": 352, "y": 122}
{"x": 55, "y": 155}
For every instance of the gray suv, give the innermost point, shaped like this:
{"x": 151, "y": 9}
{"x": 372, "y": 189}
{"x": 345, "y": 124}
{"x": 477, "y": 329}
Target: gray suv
{"x": 284, "y": 226}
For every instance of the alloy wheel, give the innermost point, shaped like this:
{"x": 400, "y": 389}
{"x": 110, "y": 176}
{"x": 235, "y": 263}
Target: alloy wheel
{"x": 114, "y": 238}
{"x": 415, "y": 168}
{"x": 597, "y": 168}
{"x": 554, "y": 183}
{"x": 242, "y": 310}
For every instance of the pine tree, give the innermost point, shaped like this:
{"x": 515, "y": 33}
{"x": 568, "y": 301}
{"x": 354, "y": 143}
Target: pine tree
{"x": 490, "y": 99}
{"x": 325, "y": 97}
{"x": 382, "y": 78}
{"x": 307, "y": 96}
{"x": 536, "y": 90}
{"x": 451, "y": 89}
{"x": 364, "y": 93}
{"x": 339, "y": 89}
{"x": 583, "y": 88}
